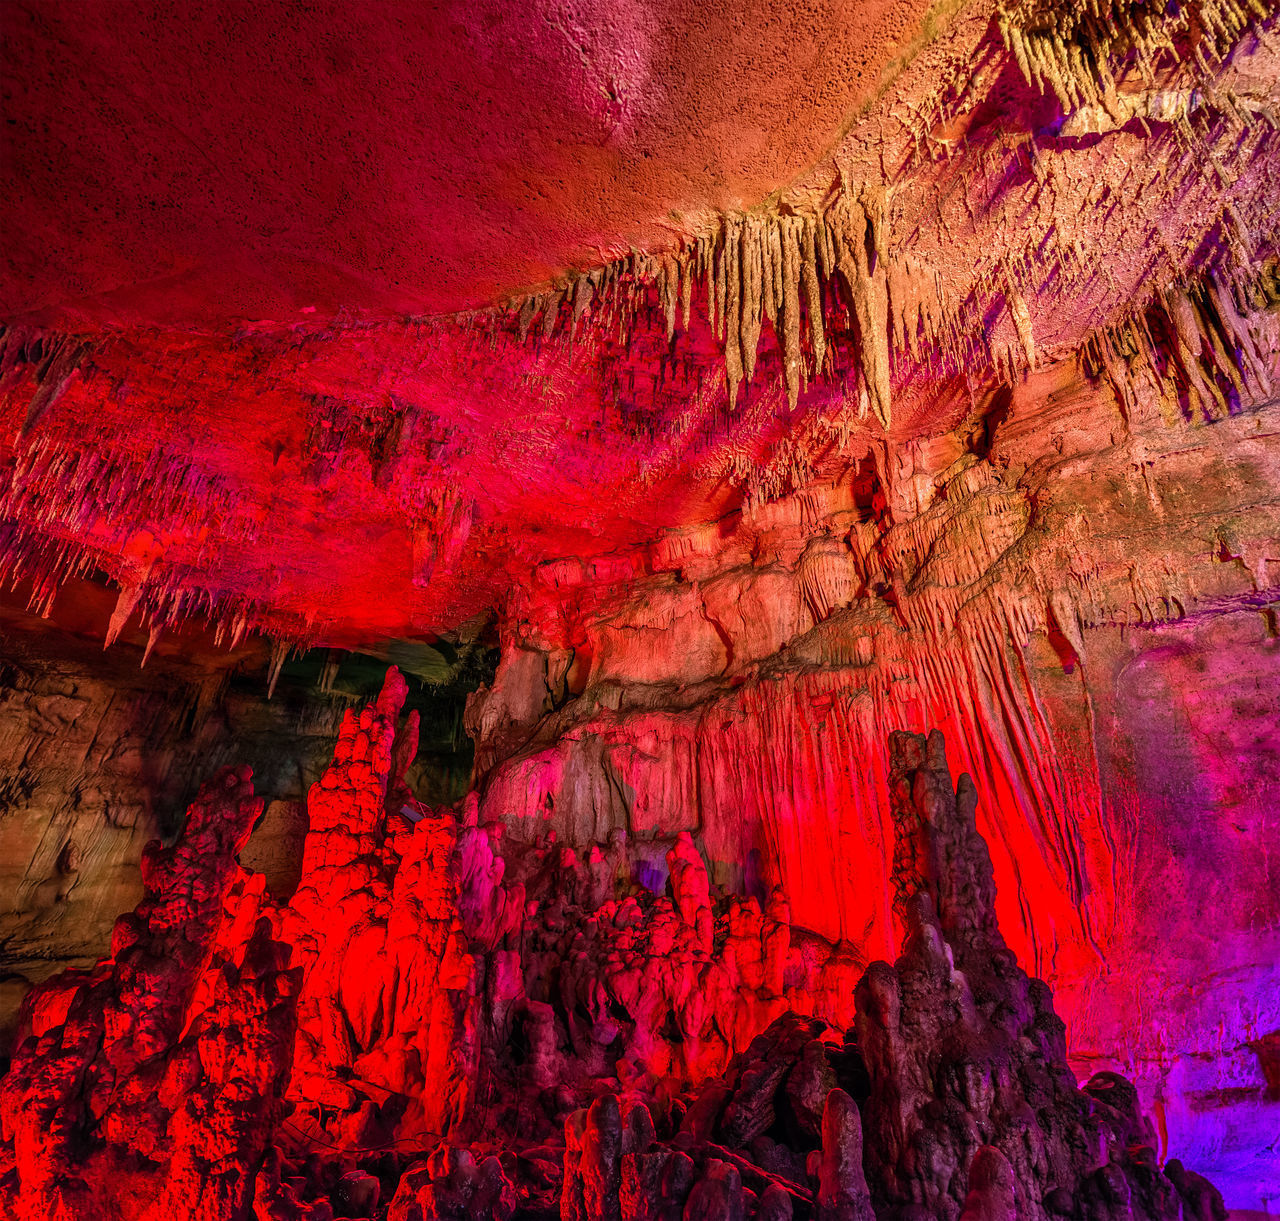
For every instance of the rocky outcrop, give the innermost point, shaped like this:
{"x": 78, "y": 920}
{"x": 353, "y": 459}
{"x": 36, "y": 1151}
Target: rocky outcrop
{"x": 441, "y": 957}
{"x": 975, "y": 1110}
{"x": 152, "y": 1085}
{"x": 387, "y": 1009}
{"x": 99, "y": 754}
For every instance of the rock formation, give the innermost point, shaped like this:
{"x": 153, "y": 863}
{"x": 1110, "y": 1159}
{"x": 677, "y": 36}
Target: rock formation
{"x": 152, "y": 1084}
{"x": 100, "y": 755}
{"x": 1045, "y": 585}
{"x": 444, "y": 1023}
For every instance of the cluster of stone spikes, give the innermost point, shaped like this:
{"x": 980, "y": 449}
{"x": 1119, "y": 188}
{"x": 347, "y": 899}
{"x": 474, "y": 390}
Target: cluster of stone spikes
{"x": 442, "y": 1023}
{"x": 814, "y": 278}
{"x": 133, "y": 508}
{"x": 794, "y": 270}
{"x": 1071, "y": 49}
{"x": 1194, "y": 340}
{"x": 1196, "y": 347}
{"x": 820, "y": 272}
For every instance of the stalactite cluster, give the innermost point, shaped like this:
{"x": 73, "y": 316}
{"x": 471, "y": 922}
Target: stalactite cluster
{"x": 805, "y": 274}
{"x": 1072, "y": 50}
{"x": 853, "y": 275}
{"x": 758, "y": 268}
{"x": 840, "y": 300}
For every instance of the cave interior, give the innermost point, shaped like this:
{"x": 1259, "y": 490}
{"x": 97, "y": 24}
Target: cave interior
{"x": 640, "y": 610}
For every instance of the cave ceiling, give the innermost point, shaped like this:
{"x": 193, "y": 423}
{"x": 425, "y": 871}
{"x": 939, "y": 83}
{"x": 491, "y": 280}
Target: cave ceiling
{"x": 339, "y": 322}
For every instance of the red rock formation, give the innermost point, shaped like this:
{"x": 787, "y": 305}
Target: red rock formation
{"x": 99, "y": 756}
{"x": 386, "y": 1003}
{"x": 482, "y": 1028}
{"x": 1049, "y": 584}
{"x": 822, "y": 369}
{"x": 151, "y": 1086}
{"x": 934, "y": 248}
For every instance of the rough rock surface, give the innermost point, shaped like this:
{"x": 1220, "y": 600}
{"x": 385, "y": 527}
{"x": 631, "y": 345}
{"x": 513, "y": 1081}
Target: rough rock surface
{"x": 441, "y": 1024}
{"x": 99, "y": 755}
{"x": 152, "y": 1084}
{"x": 341, "y": 461}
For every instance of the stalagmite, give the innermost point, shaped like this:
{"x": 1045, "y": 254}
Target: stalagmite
{"x": 951, "y": 1043}
{"x": 991, "y": 1185}
{"x": 842, "y": 1187}
{"x": 176, "y": 1050}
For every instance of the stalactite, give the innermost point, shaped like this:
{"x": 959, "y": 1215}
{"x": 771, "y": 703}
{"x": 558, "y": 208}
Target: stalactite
{"x": 789, "y": 313}
{"x": 861, "y": 241}
{"x": 733, "y": 308}
{"x": 720, "y": 253}
{"x": 752, "y": 293}
{"x": 810, "y": 269}
{"x": 1074, "y": 49}
{"x": 1022, "y": 322}
{"x": 904, "y": 316}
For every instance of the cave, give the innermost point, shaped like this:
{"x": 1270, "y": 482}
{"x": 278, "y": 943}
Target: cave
{"x": 640, "y": 610}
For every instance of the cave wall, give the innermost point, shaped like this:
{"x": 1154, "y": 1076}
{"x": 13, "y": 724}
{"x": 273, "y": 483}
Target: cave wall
{"x": 99, "y": 756}
{"x": 970, "y": 424}
{"x": 1080, "y": 588}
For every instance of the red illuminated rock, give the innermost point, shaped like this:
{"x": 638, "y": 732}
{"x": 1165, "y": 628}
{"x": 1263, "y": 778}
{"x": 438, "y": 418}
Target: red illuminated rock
{"x": 972, "y": 1107}
{"x": 387, "y": 1007}
{"x": 1078, "y": 591}
{"x": 583, "y": 1045}
{"x": 147, "y": 1086}
{"x": 824, "y": 369}
{"x": 853, "y": 303}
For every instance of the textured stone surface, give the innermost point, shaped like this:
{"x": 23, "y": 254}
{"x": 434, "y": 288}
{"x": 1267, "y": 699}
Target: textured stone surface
{"x": 1055, "y": 592}
{"x": 495, "y": 145}
{"x": 152, "y": 1084}
{"x": 345, "y": 476}
{"x": 99, "y": 755}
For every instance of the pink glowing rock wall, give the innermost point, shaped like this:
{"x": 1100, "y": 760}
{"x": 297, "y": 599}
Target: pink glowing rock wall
{"x": 478, "y": 1029}
{"x": 1085, "y": 603}
{"x": 309, "y": 458}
